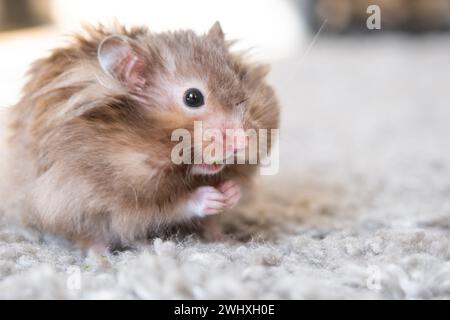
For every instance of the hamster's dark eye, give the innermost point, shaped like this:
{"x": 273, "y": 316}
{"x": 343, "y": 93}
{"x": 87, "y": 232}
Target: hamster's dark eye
{"x": 193, "y": 98}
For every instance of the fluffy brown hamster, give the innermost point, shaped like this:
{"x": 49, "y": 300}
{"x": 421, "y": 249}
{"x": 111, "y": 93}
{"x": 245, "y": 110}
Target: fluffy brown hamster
{"x": 89, "y": 149}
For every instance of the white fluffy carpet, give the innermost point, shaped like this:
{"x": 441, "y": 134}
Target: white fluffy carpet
{"x": 360, "y": 209}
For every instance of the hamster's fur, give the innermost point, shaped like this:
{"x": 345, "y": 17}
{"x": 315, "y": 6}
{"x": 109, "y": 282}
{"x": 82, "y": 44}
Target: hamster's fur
{"x": 89, "y": 143}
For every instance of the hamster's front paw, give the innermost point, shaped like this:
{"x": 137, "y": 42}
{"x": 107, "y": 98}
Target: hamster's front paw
{"x": 211, "y": 229}
{"x": 208, "y": 201}
{"x": 232, "y": 193}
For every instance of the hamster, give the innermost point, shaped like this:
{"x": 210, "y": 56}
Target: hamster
{"x": 88, "y": 154}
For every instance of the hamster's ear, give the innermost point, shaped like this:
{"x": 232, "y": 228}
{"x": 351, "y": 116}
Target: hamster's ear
{"x": 118, "y": 59}
{"x": 216, "y": 31}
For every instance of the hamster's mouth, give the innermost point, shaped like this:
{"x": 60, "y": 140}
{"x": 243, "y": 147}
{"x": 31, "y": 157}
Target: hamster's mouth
{"x": 206, "y": 169}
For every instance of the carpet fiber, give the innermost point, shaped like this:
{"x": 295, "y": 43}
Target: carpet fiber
{"x": 360, "y": 208}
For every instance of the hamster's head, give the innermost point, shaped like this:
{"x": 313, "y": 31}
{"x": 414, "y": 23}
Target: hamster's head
{"x": 189, "y": 91}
